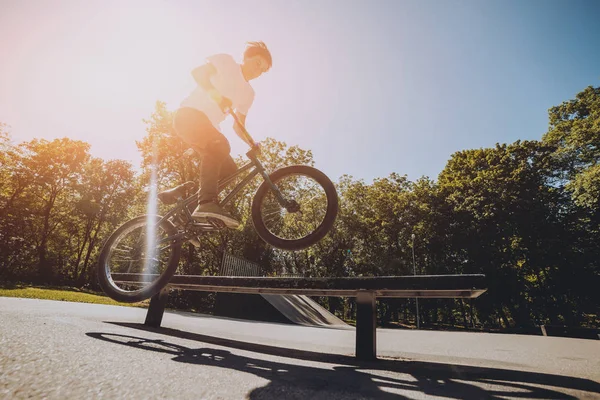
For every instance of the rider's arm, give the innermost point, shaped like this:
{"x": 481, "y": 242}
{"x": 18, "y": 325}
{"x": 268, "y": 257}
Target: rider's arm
{"x": 238, "y": 130}
{"x": 241, "y": 110}
{"x": 202, "y": 76}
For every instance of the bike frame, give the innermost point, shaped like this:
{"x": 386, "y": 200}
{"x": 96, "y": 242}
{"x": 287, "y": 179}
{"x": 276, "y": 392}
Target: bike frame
{"x": 254, "y": 166}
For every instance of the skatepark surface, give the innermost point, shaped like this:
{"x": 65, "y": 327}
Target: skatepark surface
{"x": 59, "y": 350}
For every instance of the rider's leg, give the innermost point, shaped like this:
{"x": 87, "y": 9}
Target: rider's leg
{"x": 228, "y": 167}
{"x": 195, "y": 128}
{"x": 213, "y": 157}
{"x": 215, "y": 163}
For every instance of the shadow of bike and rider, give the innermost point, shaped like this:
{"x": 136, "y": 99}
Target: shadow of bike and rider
{"x": 350, "y": 378}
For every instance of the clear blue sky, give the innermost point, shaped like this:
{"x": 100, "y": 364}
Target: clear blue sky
{"x": 371, "y": 87}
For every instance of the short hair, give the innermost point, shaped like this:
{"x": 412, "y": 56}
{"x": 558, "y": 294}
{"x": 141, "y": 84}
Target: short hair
{"x": 258, "y": 48}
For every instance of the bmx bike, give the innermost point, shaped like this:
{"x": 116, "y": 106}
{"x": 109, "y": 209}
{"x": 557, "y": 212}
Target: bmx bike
{"x": 293, "y": 208}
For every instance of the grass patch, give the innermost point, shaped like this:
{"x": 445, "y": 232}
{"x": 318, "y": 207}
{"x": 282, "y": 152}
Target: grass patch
{"x": 63, "y": 294}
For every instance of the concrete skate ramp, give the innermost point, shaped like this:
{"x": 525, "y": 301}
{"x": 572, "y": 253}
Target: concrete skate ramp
{"x": 296, "y": 309}
{"x": 301, "y": 310}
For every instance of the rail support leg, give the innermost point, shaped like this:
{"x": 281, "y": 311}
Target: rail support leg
{"x": 156, "y": 309}
{"x": 366, "y": 341}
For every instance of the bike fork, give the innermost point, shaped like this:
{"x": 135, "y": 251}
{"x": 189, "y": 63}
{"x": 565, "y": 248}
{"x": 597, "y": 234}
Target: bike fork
{"x": 282, "y": 200}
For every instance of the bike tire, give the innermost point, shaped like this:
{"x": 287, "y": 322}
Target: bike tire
{"x": 108, "y": 285}
{"x": 317, "y": 234}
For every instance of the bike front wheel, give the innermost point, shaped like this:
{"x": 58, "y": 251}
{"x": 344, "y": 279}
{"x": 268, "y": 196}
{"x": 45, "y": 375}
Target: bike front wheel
{"x": 138, "y": 259}
{"x": 306, "y": 214}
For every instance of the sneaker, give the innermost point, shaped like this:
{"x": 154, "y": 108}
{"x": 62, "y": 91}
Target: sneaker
{"x": 212, "y": 210}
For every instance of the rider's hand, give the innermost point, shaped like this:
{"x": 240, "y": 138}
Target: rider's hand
{"x": 223, "y": 102}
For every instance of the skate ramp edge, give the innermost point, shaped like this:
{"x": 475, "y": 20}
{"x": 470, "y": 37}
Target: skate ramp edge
{"x": 302, "y": 310}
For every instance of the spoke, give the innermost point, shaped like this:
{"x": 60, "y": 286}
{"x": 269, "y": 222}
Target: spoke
{"x": 137, "y": 259}
{"x": 124, "y": 250}
{"x": 275, "y": 208}
{"x": 276, "y": 218}
{"x": 128, "y": 260}
{"x": 163, "y": 240}
{"x": 311, "y": 199}
{"x": 278, "y": 212}
{"x": 140, "y": 239}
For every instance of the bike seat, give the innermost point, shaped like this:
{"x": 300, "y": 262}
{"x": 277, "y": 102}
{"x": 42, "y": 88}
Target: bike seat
{"x": 172, "y": 195}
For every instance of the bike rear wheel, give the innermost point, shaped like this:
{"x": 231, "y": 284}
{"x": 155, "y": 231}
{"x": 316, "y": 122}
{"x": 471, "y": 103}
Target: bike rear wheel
{"x": 138, "y": 259}
{"x": 312, "y": 214}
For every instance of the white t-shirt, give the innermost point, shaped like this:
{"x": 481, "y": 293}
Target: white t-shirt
{"x": 228, "y": 81}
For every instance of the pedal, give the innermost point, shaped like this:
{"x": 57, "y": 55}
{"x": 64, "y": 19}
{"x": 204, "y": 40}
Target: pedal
{"x": 208, "y": 224}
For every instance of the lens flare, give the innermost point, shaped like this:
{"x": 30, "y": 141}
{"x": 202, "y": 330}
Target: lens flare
{"x": 151, "y": 261}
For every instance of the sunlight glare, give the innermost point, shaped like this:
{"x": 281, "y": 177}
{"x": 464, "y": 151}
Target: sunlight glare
{"x": 151, "y": 262}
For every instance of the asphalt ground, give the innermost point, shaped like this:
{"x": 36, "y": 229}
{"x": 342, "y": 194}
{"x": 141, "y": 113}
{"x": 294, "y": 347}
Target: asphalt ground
{"x": 60, "y": 350}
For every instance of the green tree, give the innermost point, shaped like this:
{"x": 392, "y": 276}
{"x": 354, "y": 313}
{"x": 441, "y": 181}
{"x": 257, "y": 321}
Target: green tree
{"x": 575, "y": 131}
{"x": 509, "y": 224}
{"x": 14, "y": 179}
{"x": 106, "y": 192}
{"x": 55, "y": 167}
